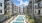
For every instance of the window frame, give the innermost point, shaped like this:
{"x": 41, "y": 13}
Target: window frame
{"x": 0, "y": 11}
{"x": 1, "y": 4}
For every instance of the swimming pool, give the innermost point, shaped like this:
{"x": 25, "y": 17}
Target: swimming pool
{"x": 18, "y": 22}
{"x": 19, "y": 19}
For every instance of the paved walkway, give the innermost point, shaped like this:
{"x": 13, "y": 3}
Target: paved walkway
{"x": 17, "y": 17}
{"x": 9, "y": 20}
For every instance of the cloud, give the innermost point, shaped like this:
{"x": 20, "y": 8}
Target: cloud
{"x": 26, "y": 3}
{"x": 23, "y": 3}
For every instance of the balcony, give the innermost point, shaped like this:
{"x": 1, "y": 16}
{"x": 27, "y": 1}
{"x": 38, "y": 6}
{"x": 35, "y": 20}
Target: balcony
{"x": 40, "y": 4}
{"x": 6, "y": 1}
{"x": 36, "y": 5}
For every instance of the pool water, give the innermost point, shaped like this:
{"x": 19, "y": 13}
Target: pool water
{"x": 19, "y": 19}
{"x": 18, "y": 22}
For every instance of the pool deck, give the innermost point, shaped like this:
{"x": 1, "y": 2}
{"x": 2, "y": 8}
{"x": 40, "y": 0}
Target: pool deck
{"x": 17, "y": 17}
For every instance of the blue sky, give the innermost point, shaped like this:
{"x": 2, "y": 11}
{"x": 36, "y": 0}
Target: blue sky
{"x": 21, "y": 2}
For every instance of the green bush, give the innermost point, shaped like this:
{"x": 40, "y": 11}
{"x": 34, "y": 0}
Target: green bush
{"x": 28, "y": 16}
{"x": 30, "y": 20}
{"x": 8, "y": 17}
{"x": 1, "y": 22}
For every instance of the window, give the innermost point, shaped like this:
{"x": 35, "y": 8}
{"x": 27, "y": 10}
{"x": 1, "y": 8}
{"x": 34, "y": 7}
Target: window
{"x": 35, "y": 6}
{"x": 8, "y": 4}
{"x": 8, "y": 8}
{"x": 38, "y": 4}
{"x": 35, "y": 11}
{"x": 39, "y": 12}
{"x": 15, "y": 10}
{"x": 0, "y": 4}
{"x": 0, "y": 11}
{"x": 30, "y": 1}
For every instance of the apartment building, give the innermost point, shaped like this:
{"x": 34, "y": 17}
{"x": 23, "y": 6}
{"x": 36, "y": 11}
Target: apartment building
{"x": 29, "y": 8}
{"x": 16, "y": 9}
{"x": 38, "y": 9}
{"x": 2, "y": 17}
{"x": 20, "y": 10}
{"x": 5, "y": 8}
{"x": 1, "y": 7}
{"x": 35, "y": 9}
{"x": 9, "y": 7}
{"x": 25, "y": 9}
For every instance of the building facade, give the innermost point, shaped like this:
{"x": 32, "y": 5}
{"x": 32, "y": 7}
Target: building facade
{"x": 16, "y": 9}
{"x": 1, "y": 7}
{"x": 38, "y": 9}
{"x": 29, "y": 8}
{"x": 9, "y": 7}
{"x": 2, "y": 17}
{"x": 5, "y": 9}
{"x": 21, "y": 10}
{"x": 35, "y": 8}
{"x": 25, "y": 9}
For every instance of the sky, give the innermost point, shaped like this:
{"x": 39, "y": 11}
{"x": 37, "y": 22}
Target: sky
{"x": 21, "y": 2}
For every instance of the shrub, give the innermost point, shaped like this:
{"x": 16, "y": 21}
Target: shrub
{"x": 1, "y": 22}
{"x": 31, "y": 21}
